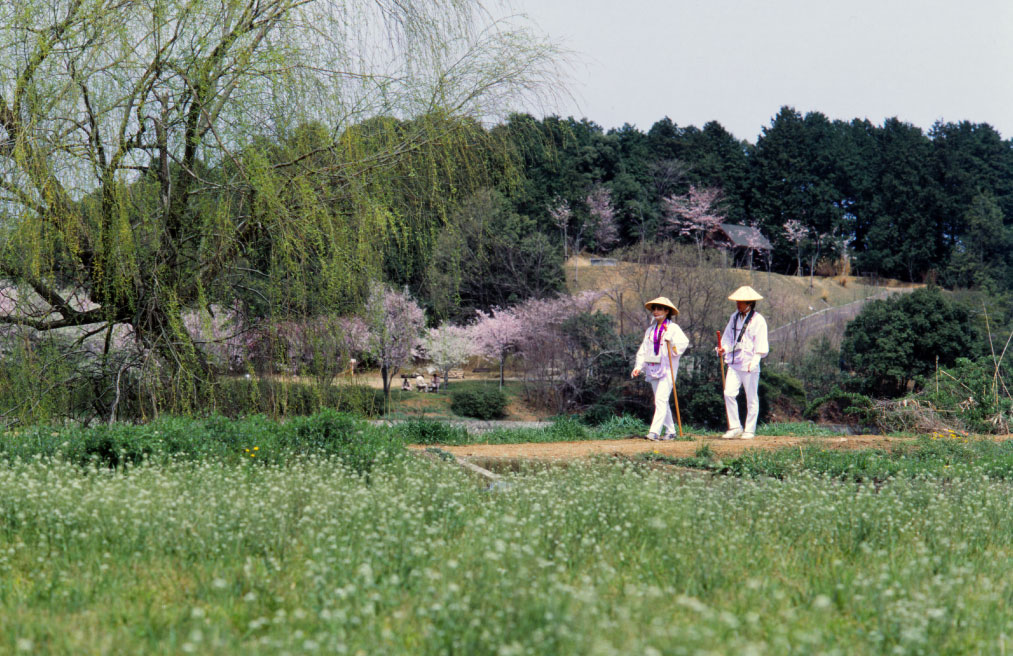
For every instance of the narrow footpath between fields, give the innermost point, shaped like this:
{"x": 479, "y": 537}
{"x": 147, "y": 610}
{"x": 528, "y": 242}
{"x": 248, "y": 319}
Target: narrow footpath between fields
{"x": 677, "y": 448}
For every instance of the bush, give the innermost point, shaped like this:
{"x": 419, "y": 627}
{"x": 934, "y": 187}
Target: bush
{"x": 480, "y": 403}
{"x": 839, "y": 407}
{"x": 894, "y": 342}
{"x": 781, "y": 395}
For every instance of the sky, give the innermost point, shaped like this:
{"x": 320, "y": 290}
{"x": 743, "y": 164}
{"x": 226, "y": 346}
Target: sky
{"x": 739, "y": 61}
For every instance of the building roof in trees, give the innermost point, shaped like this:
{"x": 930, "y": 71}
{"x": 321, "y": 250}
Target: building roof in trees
{"x": 743, "y": 236}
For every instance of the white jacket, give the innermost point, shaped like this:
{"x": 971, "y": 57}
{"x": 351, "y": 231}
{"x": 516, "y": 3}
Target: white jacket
{"x": 673, "y": 335}
{"x": 751, "y": 347}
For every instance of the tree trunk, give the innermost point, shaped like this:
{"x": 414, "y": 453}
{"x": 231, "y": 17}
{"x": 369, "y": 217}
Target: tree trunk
{"x": 386, "y": 374}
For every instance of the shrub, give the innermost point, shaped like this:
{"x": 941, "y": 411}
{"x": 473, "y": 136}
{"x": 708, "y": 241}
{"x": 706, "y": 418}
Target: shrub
{"x": 839, "y": 407}
{"x": 781, "y": 395}
{"x": 894, "y": 342}
{"x": 480, "y": 403}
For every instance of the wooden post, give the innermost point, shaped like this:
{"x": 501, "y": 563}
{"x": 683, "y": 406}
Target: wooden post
{"x": 721, "y": 361}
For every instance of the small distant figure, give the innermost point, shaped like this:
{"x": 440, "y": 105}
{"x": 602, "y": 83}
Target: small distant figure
{"x": 406, "y": 384}
{"x": 420, "y": 382}
{"x": 435, "y": 385}
{"x": 351, "y": 366}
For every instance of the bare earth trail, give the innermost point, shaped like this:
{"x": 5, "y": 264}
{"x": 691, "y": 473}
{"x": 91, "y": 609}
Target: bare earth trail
{"x": 677, "y": 448}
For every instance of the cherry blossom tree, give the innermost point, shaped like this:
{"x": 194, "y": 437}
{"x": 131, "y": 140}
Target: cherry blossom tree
{"x": 561, "y": 215}
{"x": 550, "y": 370}
{"x": 447, "y": 346}
{"x": 796, "y": 233}
{"x": 395, "y": 325}
{"x": 603, "y": 217}
{"x": 695, "y": 215}
{"x": 496, "y": 335}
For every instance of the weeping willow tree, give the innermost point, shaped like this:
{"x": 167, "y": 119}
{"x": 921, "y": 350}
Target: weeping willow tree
{"x": 163, "y": 155}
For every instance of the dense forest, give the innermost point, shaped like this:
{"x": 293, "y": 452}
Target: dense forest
{"x": 896, "y": 201}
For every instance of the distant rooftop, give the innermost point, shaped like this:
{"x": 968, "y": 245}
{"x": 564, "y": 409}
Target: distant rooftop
{"x": 745, "y": 236}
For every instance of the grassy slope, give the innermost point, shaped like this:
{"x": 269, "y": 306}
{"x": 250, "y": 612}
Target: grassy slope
{"x": 787, "y": 297}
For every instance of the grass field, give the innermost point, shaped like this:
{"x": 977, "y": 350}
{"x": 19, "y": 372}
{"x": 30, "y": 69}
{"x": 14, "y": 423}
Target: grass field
{"x": 899, "y": 553}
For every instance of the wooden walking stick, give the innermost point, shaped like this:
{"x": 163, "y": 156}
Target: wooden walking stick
{"x": 675, "y": 396}
{"x": 721, "y": 360}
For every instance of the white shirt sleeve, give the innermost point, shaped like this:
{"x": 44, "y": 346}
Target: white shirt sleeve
{"x": 728, "y": 336}
{"x": 642, "y": 352}
{"x": 760, "y": 346}
{"x": 678, "y": 339}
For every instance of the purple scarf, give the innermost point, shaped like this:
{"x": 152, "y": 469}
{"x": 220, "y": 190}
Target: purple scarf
{"x": 659, "y": 332}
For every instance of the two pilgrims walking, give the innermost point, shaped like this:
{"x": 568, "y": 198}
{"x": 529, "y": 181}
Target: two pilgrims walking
{"x": 743, "y": 344}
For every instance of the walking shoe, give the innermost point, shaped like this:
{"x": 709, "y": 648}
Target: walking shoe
{"x": 732, "y": 434}
{"x": 652, "y": 437}
{"x": 667, "y": 437}
{"x": 747, "y": 436}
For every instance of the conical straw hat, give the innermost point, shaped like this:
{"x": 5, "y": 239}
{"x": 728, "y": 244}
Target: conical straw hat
{"x": 745, "y": 293}
{"x": 661, "y": 300}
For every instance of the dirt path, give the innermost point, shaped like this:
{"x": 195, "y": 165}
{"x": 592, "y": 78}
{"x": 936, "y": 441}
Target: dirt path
{"x": 680, "y": 449}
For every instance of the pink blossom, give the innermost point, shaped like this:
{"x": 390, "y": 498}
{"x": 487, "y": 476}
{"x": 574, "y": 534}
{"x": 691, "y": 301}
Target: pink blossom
{"x": 395, "y": 323}
{"x": 496, "y": 335}
{"x": 795, "y": 232}
{"x": 447, "y": 347}
{"x": 603, "y": 217}
{"x": 694, "y": 215}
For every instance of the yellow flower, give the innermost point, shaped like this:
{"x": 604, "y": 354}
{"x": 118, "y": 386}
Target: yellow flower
{"x": 256, "y": 448}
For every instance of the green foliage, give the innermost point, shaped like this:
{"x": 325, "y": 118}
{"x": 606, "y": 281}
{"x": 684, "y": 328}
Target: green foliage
{"x": 486, "y": 402}
{"x": 780, "y": 394}
{"x": 216, "y": 438}
{"x": 427, "y": 431}
{"x": 971, "y": 396}
{"x": 567, "y": 429}
{"x": 979, "y": 260}
{"x": 237, "y": 397}
{"x": 839, "y": 407}
{"x": 595, "y": 376}
{"x": 39, "y": 383}
{"x": 819, "y": 371}
{"x": 621, "y": 426}
{"x": 488, "y": 256}
{"x": 892, "y": 343}
{"x": 216, "y": 178}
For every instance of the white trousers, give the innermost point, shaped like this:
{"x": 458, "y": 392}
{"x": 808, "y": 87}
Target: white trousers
{"x": 662, "y": 411}
{"x": 734, "y": 379}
